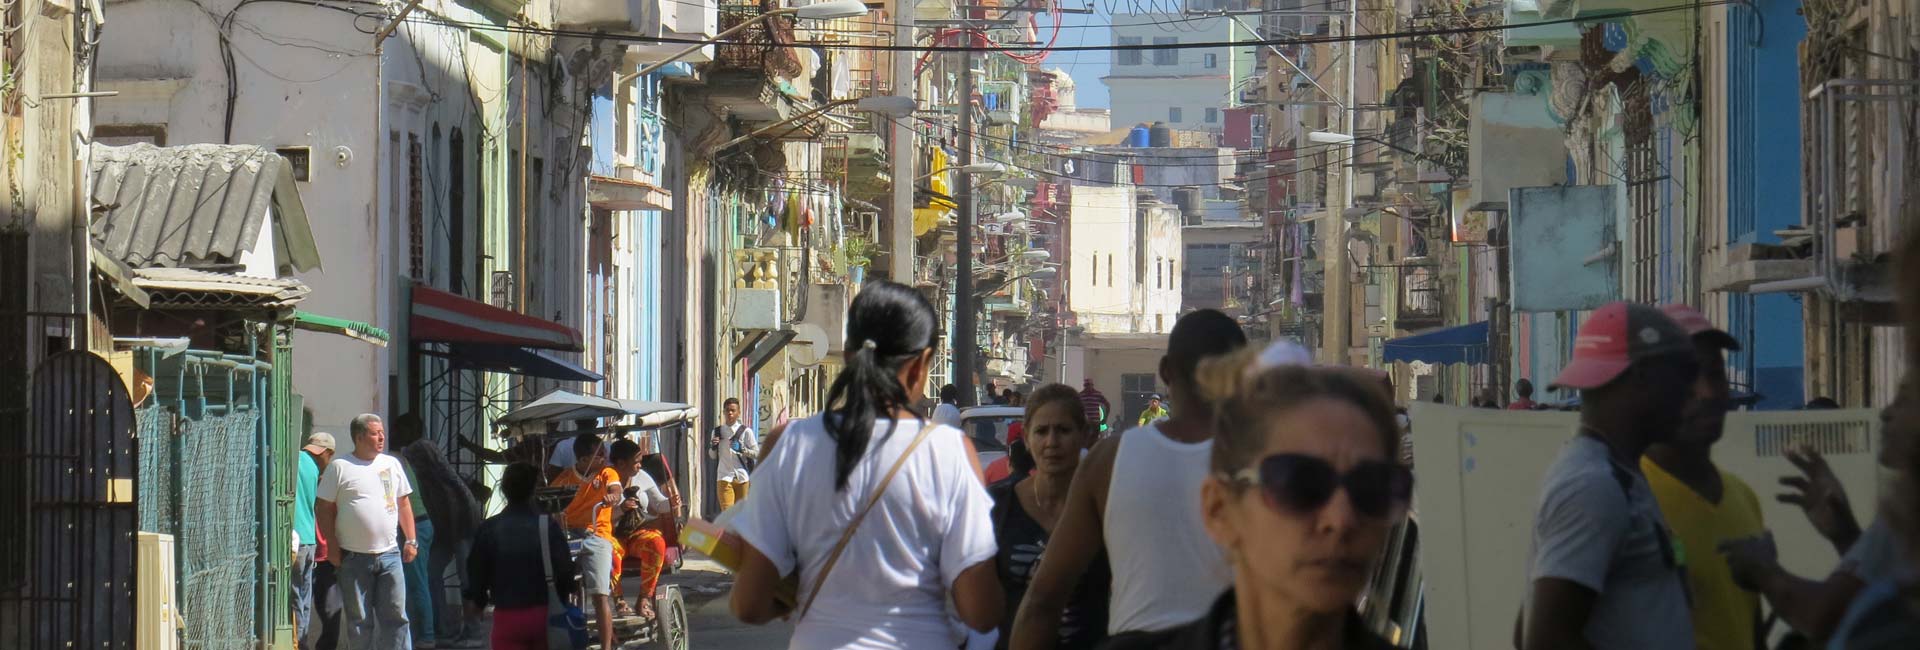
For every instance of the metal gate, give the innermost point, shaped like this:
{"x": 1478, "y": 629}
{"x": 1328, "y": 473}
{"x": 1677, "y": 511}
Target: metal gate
{"x": 80, "y": 465}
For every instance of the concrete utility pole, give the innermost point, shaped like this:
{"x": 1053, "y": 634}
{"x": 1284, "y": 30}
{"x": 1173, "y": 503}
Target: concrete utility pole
{"x": 1336, "y": 305}
{"x": 964, "y": 337}
{"x": 900, "y": 155}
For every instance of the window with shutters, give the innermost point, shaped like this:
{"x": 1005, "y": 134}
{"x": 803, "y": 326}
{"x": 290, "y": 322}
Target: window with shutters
{"x": 1168, "y": 56}
{"x": 1129, "y": 57}
{"x": 416, "y": 213}
{"x": 457, "y": 212}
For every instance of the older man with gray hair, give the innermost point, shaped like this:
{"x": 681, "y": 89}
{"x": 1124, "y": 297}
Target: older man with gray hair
{"x": 361, "y": 507}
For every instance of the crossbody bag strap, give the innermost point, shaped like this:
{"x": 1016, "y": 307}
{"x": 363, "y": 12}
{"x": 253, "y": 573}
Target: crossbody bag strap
{"x": 546, "y": 559}
{"x": 847, "y": 536}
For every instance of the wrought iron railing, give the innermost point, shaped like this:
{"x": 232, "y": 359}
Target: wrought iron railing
{"x": 764, "y": 47}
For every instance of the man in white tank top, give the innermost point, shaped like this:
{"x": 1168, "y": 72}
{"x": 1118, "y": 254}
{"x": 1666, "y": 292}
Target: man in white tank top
{"x": 1136, "y": 497}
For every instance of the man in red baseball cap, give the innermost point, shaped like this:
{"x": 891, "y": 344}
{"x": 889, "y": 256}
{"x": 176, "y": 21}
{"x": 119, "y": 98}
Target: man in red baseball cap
{"x": 1604, "y": 571}
{"x": 1703, "y": 504}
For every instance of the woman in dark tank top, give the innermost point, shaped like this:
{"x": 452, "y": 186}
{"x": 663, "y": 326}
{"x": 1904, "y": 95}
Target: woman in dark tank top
{"x": 1025, "y": 509}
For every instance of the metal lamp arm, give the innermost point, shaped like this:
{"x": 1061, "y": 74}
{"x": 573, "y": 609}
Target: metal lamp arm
{"x": 796, "y": 121}
{"x": 717, "y": 38}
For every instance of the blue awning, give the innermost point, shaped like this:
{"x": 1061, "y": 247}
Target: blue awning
{"x": 1462, "y": 344}
{"x": 519, "y": 361}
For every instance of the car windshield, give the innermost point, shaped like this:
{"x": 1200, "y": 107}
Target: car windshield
{"x": 989, "y": 432}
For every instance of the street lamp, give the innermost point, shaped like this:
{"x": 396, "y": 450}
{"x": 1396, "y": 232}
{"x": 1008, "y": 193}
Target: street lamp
{"x": 1044, "y": 273}
{"x": 888, "y": 105}
{"x": 830, "y": 10}
{"x": 1329, "y": 137}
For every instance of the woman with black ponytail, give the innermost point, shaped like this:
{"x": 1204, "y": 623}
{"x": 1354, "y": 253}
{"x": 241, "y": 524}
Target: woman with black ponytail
{"x": 879, "y": 511}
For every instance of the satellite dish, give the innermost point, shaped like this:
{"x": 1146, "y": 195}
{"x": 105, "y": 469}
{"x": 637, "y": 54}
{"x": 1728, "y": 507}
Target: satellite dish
{"x": 809, "y": 344}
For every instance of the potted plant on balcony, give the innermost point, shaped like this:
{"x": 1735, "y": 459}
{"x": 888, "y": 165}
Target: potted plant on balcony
{"x": 854, "y": 254}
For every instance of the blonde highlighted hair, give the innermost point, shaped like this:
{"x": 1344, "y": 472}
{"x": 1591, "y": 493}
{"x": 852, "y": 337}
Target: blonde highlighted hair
{"x": 1058, "y": 394}
{"x": 1249, "y": 397}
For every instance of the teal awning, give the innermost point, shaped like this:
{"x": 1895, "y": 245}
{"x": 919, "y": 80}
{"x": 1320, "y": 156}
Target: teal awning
{"x": 313, "y": 322}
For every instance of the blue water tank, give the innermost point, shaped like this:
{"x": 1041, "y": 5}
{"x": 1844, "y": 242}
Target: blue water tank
{"x": 1140, "y": 136}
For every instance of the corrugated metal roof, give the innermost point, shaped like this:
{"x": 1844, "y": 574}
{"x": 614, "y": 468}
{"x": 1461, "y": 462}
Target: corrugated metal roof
{"x": 175, "y": 287}
{"x": 196, "y": 204}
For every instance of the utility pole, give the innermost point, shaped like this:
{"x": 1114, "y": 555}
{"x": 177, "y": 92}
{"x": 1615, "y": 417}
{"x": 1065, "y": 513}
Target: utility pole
{"x": 964, "y": 337}
{"x": 1336, "y": 305}
{"x": 900, "y": 155}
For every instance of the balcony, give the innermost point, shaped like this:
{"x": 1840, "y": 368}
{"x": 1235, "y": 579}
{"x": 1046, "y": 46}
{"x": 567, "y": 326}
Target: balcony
{"x": 765, "y": 48}
{"x": 1750, "y": 265}
{"x": 1854, "y": 200}
{"x": 671, "y": 19}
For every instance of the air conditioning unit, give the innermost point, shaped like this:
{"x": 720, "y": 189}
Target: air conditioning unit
{"x": 157, "y": 619}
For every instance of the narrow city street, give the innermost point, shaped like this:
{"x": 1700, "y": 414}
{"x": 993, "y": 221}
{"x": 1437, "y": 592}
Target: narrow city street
{"x": 1605, "y": 313}
{"x": 704, "y": 585}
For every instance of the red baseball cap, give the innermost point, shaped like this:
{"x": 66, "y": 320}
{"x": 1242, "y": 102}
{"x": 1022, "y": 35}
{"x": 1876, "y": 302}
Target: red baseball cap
{"x": 1697, "y": 325}
{"x": 1616, "y": 336}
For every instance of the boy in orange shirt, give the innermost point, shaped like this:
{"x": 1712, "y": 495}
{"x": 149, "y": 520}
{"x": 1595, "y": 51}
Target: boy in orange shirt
{"x": 590, "y": 515}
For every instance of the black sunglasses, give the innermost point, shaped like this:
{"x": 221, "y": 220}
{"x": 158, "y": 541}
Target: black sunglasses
{"x": 1304, "y": 484}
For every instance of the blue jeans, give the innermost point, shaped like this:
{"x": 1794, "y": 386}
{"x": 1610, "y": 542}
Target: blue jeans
{"x": 419, "y": 592}
{"x": 450, "y": 555}
{"x": 302, "y": 587}
{"x": 373, "y": 592}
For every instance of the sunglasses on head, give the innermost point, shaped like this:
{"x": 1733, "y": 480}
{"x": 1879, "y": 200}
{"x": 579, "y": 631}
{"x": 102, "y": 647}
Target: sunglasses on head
{"x": 1303, "y": 484}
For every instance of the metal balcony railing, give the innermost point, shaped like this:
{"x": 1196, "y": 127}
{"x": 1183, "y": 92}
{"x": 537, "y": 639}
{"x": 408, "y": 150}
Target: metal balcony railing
{"x": 1849, "y": 209}
{"x": 761, "y": 48}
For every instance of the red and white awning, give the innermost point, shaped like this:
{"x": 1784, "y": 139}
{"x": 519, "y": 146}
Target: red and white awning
{"x": 441, "y": 317}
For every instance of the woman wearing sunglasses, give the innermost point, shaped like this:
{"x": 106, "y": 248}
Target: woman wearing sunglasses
{"x": 1305, "y": 489}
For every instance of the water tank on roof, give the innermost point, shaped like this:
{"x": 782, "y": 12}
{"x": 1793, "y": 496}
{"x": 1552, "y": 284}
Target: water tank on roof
{"x": 1188, "y": 200}
{"x": 1139, "y": 136}
{"x": 1160, "y": 135}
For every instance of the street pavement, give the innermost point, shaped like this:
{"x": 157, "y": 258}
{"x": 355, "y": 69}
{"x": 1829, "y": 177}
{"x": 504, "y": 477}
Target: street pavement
{"x": 705, "y": 584}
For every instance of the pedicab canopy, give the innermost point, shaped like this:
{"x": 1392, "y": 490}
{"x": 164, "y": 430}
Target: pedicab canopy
{"x": 562, "y": 405}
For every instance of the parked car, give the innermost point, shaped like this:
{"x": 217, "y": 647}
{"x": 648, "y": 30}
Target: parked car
{"x": 988, "y": 427}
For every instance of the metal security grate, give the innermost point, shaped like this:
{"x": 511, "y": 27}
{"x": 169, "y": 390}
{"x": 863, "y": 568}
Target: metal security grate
{"x": 1828, "y": 438}
{"x": 201, "y": 481}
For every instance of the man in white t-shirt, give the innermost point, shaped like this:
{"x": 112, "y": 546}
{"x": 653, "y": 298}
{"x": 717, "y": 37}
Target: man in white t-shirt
{"x": 948, "y": 412}
{"x": 732, "y": 444}
{"x": 361, "y": 507}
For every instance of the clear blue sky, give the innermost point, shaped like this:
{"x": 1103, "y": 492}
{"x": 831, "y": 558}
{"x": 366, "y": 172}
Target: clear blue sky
{"x": 1086, "y": 67}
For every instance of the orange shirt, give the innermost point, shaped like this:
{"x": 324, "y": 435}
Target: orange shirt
{"x": 589, "y": 509}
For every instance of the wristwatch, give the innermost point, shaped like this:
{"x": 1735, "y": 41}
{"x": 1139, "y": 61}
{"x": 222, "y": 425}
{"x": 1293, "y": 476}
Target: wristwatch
{"x": 413, "y": 543}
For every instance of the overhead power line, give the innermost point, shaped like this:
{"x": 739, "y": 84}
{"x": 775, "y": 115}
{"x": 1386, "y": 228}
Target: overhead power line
{"x": 1022, "y": 49}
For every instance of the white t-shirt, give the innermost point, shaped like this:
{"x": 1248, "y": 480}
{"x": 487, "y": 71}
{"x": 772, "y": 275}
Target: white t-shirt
{"x": 368, "y": 493}
{"x": 890, "y": 587}
{"x": 563, "y": 455}
{"x": 651, "y": 499}
{"x": 730, "y": 468}
{"x": 947, "y": 414}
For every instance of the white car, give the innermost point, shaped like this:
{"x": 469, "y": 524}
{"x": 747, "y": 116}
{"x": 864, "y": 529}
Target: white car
{"x": 988, "y": 426}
